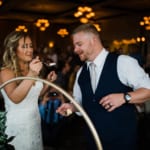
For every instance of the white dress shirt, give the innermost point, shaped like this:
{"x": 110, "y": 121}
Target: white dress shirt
{"x": 129, "y": 71}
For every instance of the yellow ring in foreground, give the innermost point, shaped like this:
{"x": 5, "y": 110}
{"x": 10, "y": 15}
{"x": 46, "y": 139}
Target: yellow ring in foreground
{"x": 78, "y": 107}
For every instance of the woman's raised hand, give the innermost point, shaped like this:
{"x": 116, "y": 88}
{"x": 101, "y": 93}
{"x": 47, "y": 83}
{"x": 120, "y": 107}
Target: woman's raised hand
{"x": 35, "y": 66}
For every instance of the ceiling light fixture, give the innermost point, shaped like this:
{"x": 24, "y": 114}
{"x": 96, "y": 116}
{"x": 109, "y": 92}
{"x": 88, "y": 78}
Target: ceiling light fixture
{"x": 97, "y": 26}
{"x": 145, "y": 22}
{"x": 51, "y": 44}
{"x": 21, "y": 28}
{"x": 62, "y": 32}
{"x": 42, "y": 24}
{"x": 1, "y": 2}
{"x": 140, "y": 39}
{"x": 84, "y": 14}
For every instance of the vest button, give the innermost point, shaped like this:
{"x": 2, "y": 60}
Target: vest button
{"x": 94, "y": 100}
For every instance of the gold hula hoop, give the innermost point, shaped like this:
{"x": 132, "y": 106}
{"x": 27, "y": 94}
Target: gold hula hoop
{"x": 79, "y": 108}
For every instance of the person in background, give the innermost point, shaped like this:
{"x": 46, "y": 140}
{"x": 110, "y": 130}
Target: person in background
{"x": 63, "y": 75}
{"x": 51, "y": 121}
{"x": 120, "y": 83}
{"x": 72, "y": 77}
{"x": 51, "y": 97}
{"x": 21, "y": 97}
{"x": 135, "y": 52}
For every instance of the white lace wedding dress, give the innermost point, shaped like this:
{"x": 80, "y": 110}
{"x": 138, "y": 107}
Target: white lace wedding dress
{"x": 23, "y": 120}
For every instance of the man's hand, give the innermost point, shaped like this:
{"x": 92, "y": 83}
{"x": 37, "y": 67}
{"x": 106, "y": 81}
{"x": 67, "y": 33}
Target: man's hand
{"x": 112, "y": 101}
{"x": 66, "y": 109}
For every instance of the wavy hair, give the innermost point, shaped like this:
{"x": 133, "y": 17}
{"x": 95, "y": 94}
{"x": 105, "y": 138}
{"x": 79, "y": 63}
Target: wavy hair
{"x": 11, "y": 42}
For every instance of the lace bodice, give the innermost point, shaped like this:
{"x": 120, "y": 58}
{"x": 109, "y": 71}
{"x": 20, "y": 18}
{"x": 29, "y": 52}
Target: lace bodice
{"x": 23, "y": 120}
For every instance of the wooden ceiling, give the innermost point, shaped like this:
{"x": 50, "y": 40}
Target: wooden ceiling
{"x": 61, "y": 11}
{"x": 118, "y": 19}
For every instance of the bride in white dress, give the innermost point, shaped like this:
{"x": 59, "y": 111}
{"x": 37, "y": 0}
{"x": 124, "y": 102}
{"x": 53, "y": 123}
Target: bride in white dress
{"x": 21, "y": 97}
{"x": 23, "y": 120}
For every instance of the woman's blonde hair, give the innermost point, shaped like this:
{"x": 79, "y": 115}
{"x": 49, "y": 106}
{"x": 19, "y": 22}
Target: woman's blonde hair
{"x": 11, "y": 43}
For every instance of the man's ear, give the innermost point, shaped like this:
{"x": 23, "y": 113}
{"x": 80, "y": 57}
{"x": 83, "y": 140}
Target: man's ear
{"x": 93, "y": 40}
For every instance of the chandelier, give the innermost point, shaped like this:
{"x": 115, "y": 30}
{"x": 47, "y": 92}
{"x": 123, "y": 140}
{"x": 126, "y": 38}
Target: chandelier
{"x": 145, "y": 22}
{"x": 84, "y": 14}
{"x": 97, "y": 26}
{"x": 62, "y": 32}
{"x": 42, "y": 24}
{"x": 21, "y": 28}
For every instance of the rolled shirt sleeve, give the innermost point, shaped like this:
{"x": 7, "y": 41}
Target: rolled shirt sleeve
{"x": 131, "y": 73}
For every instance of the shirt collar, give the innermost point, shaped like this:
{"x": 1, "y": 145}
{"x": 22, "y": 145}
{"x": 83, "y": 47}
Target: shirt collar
{"x": 100, "y": 58}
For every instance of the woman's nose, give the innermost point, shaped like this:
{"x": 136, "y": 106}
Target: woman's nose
{"x": 29, "y": 48}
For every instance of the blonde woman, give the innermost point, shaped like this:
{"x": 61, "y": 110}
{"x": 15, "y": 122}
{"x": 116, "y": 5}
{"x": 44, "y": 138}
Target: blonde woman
{"x": 21, "y": 97}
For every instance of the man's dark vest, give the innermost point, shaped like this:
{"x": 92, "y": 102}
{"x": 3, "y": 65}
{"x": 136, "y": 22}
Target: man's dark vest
{"x": 120, "y": 124}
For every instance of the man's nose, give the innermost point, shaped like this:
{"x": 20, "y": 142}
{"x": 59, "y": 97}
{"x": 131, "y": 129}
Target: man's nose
{"x": 75, "y": 49}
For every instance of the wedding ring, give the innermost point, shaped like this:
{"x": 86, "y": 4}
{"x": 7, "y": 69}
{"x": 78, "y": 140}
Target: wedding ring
{"x": 110, "y": 105}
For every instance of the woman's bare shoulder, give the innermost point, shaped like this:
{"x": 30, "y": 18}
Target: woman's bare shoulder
{"x": 6, "y": 74}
